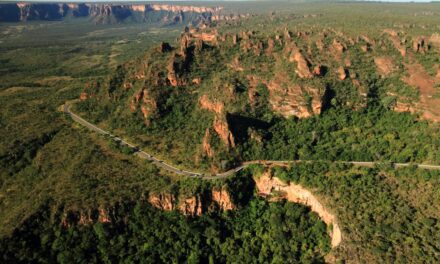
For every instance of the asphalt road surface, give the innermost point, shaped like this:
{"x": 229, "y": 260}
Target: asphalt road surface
{"x": 144, "y": 155}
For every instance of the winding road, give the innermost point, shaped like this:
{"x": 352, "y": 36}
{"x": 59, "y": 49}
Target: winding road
{"x": 168, "y": 167}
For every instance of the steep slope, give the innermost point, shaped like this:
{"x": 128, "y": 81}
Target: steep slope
{"x": 110, "y": 13}
{"x": 217, "y": 92}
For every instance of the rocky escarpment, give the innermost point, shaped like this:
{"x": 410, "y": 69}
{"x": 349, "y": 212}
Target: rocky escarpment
{"x": 291, "y": 99}
{"x": 194, "y": 205}
{"x": 235, "y": 85}
{"x": 267, "y": 185}
{"x": 108, "y": 13}
{"x": 217, "y": 199}
{"x": 221, "y": 126}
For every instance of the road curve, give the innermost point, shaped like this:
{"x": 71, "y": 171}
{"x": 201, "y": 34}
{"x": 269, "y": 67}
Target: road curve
{"x": 144, "y": 155}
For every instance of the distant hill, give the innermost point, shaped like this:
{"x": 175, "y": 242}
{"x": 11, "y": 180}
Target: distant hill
{"x": 109, "y": 13}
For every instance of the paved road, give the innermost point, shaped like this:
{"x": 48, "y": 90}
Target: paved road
{"x": 144, "y": 155}
{"x": 140, "y": 153}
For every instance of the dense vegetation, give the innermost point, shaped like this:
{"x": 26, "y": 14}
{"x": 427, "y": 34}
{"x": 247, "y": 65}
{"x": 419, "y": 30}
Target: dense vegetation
{"x": 356, "y": 122}
{"x": 49, "y": 165}
{"x": 386, "y": 215}
{"x": 262, "y": 232}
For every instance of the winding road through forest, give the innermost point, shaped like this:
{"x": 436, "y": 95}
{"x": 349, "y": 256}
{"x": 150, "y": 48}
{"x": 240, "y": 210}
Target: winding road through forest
{"x": 295, "y": 193}
{"x": 168, "y": 167}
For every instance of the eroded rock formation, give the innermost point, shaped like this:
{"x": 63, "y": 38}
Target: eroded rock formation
{"x": 303, "y": 70}
{"x": 385, "y": 65}
{"x": 266, "y": 185}
{"x": 290, "y": 99}
{"x": 221, "y": 127}
{"x": 104, "y": 13}
{"x": 222, "y": 198}
{"x": 218, "y": 199}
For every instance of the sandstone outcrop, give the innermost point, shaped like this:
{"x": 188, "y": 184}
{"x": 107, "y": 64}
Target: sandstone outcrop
{"x": 197, "y": 81}
{"x": 266, "y": 185}
{"x": 205, "y": 103}
{"x": 104, "y": 13}
{"x": 217, "y": 199}
{"x": 148, "y": 104}
{"x": 103, "y": 216}
{"x": 207, "y": 149}
{"x": 172, "y": 76}
{"x": 434, "y": 41}
{"x": 318, "y": 70}
{"x": 302, "y": 70}
{"x": 418, "y": 78}
{"x": 222, "y": 198}
{"x": 342, "y": 73}
{"x": 394, "y": 37}
{"x": 385, "y": 65}
{"x": 90, "y": 90}
{"x": 270, "y": 46}
{"x": 191, "y": 206}
{"x": 221, "y": 127}
{"x": 83, "y": 96}
{"x": 162, "y": 201}
{"x": 290, "y": 99}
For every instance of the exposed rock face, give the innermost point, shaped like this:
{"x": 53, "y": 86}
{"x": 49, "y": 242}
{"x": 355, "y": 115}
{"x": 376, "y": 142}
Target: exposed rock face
{"x": 266, "y": 184}
{"x": 216, "y": 107}
{"x": 318, "y": 70}
{"x": 90, "y": 90}
{"x": 338, "y": 46}
{"x": 222, "y": 199}
{"x": 106, "y": 13}
{"x": 176, "y": 8}
{"x": 83, "y": 96}
{"x": 337, "y": 49}
{"x": 291, "y": 99}
{"x": 394, "y": 37}
{"x": 197, "y": 81}
{"x": 191, "y": 206}
{"x": 303, "y": 70}
{"x": 342, "y": 73}
{"x": 320, "y": 45}
{"x": 365, "y": 48}
{"x": 85, "y": 219}
{"x": 270, "y": 46}
{"x": 418, "y": 78}
{"x": 206, "y": 37}
{"x": 172, "y": 76}
{"x": 103, "y": 216}
{"x": 235, "y": 39}
{"x": 221, "y": 127}
{"x": 385, "y": 65}
{"x": 434, "y": 40}
{"x": 218, "y": 199}
{"x": 147, "y": 102}
{"x": 207, "y": 149}
{"x": 162, "y": 201}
